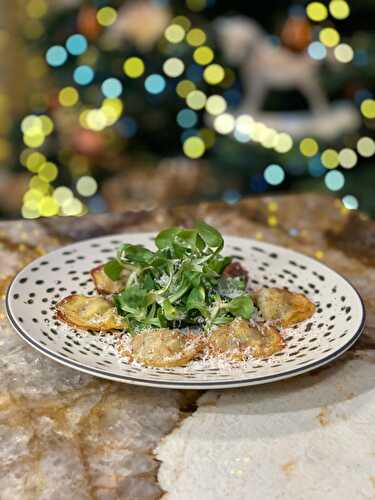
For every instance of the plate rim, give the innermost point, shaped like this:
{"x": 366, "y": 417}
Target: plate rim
{"x": 172, "y": 384}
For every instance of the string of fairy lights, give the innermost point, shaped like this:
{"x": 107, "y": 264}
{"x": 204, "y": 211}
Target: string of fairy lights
{"x": 199, "y": 86}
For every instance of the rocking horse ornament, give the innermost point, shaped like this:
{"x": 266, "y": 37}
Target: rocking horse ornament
{"x": 264, "y": 66}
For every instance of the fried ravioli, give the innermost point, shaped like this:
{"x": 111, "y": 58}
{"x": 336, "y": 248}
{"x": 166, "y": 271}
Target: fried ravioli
{"x": 91, "y": 313}
{"x": 164, "y": 348}
{"x": 281, "y": 304}
{"x": 104, "y": 285}
{"x": 240, "y": 338}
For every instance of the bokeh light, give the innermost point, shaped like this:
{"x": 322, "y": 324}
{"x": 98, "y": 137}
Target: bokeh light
{"x": 34, "y": 161}
{"x": 274, "y": 174}
{"x": 76, "y": 44}
{"x": 194, "y": 147}
{"x": 155, "y": 84}
{"x": 112, "y": 87}
{"x": 366, "y": 147}
{"x": 316, "y": 11}
{"x": 330, "y": 158}
{"x": 62, "y": 195}
{"x": 203, "y": 55}
{"x": 187, "y": 118}
{"x": 83, "y": 75}
{"x": 334, "y": 180}
{"x": 317, "y": 51}
{"x": 339, "y": 9}
{"x": 56, "y": 55}
{"x": 173, "y": 67}
{"x": 196, "y": 37}
{"x": 196, "y": 99}
{"x": 214, "y": 74}
{"x": 134, "y": 67}
{"x": 282, "y": 143}
{"x": 86, "y": 186}
{"x": 48, "y": 172}
{"x": 106, "y": 16}
{"x": 68, "y": 96}
{"x": 350, "y": 202}
{"x": 329, "y": 37}
{"x": 216, "y": 105}
{"x": 224, "y": 124}
{"x": 309, "y": 147}
{"x": 174, "y": 33}
{"x": 196, "y": 5}
{"x": 48, "y": 206}
{"x": 348, "y": 158}
{"x": 368, "y": 108}
{"x": 344, "y": 53}
{"x": 182, "y": 21}
{"x": 184, "y": 87}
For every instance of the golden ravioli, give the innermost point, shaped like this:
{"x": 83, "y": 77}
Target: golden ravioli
{"x": 164, "y": 348}
{"x": 104, "y": 284}
{"x": 91, "y": 313}
{"x": 281, "y": 304}
{"x": 239, "y": 338}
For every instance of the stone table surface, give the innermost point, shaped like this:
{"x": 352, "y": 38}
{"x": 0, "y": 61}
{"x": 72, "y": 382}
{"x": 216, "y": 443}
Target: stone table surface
{"x": 67, "y": 435}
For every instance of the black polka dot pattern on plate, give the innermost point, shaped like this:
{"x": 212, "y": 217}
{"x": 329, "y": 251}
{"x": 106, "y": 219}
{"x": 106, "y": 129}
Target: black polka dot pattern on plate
{"x": 47, "y": 280}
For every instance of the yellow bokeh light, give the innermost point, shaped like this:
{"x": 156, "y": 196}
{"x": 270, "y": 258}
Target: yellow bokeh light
{"x": 368, "y": 108}
{"x": 174, "y": 33}
{"x": 194, "y": 147}
{"x": 36, "y": 8}
{"x": 106, "y": 16}
{"x": 134, "y": 67}
{"x": 73, "y": 207}
{"x": 86, "y": 186}
{"x": 62, "y": 195}
{"x": 329, "y": 37}
{"x": 309, "y": 147}
{"x": 47, "y": 124}
{"x": 30, "y": 213}
{"x": 196, "y": 37}
{"x": 68, "y": 96}
{"x": 224, "y": 124}
{"x": 213, "y": 74}
{"x": 34, "y": 161}
{"x": 24, "y": 156}
{"x": 182, "y": 21}
{"x": 96, "y": 119}
{"x": 339, "y": 9}
{"x": 112, "y": 110}
{"x": 316, "y": 11}
{"x": 34, "y": 141}
{"x": 208, "y": 137}
{"x": 203, "y": 55}
{"x": 348, "y": 158}
{"x": 216, "y": 105}
{"x": 184, "y": 87}
{"x": 283, "y": 142}
{"x": 48, "y": 172}
{"x": 38, "y": 184}
{"x": 330, "y": 158}
{"x": 344, "y": 53}
{"x": 268, "y": 138}
{"x": 196, "y": 5}
{"x": 173, "y": 67}
{"x": 31, "y": 125}
{"x": 32, "y": 196}
{"x": 48, "y": 206}
{"x": 366, "y": 147}
{"x": 196, "y": 99}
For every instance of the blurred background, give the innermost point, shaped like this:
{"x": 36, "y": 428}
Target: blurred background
{"x": 136, "y": 104}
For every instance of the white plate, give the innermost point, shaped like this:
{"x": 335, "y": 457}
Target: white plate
{"x": 335, "y": 326}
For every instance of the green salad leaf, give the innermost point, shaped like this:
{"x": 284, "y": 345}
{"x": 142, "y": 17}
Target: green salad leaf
{"x": 179, "y": 284}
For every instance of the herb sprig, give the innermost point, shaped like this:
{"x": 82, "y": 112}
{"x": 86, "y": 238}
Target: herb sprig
{"x": 179, "y": 284}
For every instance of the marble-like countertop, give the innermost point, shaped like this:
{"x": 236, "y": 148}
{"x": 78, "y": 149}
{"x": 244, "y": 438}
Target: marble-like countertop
{"x": 67, "y": 435}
